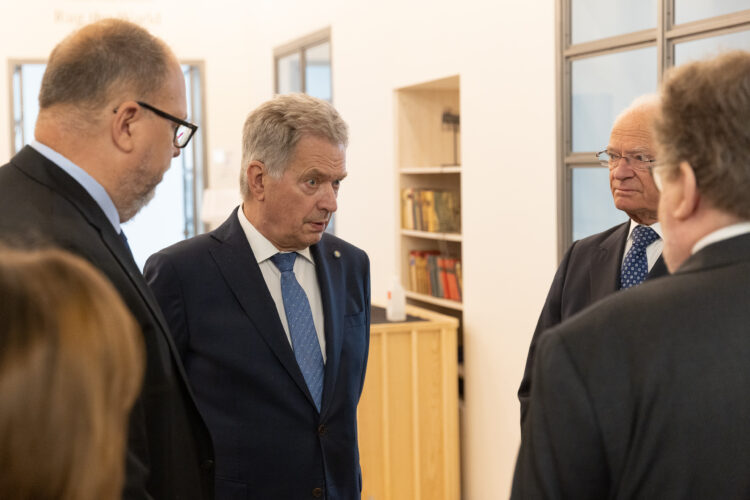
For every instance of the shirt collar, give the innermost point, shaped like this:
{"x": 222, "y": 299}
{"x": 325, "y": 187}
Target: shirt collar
{"x": 262, "y": 248}
{"x": 724, "y": 233}
{"x": 93, "y": 188}
{"x": 655, "y": 226}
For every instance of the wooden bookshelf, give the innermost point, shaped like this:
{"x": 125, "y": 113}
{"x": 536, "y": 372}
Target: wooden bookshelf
{"x": 432, "y": 236}
{"x": 429, "y": 159}
{"x": 446, "y": 169}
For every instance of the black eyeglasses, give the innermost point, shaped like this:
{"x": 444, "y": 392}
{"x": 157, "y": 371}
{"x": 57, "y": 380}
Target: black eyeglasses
{"x": 184, "y": 131}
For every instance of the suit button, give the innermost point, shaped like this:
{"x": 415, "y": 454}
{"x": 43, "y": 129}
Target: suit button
{"x": 207, "y": 465}
{"x": 321, "y": 430}
{"x": 317, "y": 492}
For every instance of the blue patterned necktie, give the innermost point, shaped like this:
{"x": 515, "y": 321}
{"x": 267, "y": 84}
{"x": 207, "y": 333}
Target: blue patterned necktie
{"x": 635, "y": 265}
{"x": 301, "y": 327}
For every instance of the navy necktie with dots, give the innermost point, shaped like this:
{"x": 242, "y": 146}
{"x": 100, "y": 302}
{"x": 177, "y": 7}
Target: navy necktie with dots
{"x": 301, "y": 327}
{"x": 635, "y": 265}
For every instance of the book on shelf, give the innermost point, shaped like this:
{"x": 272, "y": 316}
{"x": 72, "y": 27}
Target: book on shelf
{"x": 407, "y": 208}
{"x": 435, "y": 274}
{"x": 436, "y": 211}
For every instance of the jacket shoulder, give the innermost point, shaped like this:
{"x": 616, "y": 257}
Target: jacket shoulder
{"x": 597, "y": 239}
{"x": 333, "y": 243}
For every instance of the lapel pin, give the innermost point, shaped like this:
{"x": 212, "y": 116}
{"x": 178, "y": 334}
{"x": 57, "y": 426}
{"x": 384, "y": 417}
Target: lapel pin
{"x": 337, "y": 254}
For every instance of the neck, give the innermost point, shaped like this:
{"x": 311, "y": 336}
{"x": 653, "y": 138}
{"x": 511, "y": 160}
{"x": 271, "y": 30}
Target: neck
{"x": 82, "y": 147}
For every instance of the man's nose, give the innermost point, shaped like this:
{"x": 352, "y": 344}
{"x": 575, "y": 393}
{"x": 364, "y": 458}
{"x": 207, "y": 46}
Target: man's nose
{"x": 623, "y": 169}
{"x": 175, "y": 152}
{"x": 327, "y": 199}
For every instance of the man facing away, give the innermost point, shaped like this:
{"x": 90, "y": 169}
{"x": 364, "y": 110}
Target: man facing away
{"x": 112, "y": 108}
{"x": 271, "y": 315}
{"x": 622, "y": 256}
{"x": 645, "y": 394}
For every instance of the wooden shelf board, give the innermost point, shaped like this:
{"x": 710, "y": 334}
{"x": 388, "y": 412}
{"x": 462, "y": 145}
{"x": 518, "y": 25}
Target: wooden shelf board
{"x": 442, "y": 169}
{"x": 450, "y": 304}
{"x": 432, "y": 236}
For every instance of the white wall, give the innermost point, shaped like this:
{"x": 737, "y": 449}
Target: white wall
{"x": 504, "y": 52}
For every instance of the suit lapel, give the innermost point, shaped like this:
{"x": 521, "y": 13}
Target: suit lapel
{"x": 659, "y": 269}
{"x": 46, "y": 172}
{"x": 238, "y": 266}
{"x": 604, "y": 272}
{"x": 332, "y": 290}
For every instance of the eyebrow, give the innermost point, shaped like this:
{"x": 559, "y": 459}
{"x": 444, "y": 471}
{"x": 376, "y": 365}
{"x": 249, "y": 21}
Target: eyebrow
{"x": 315, "y": 172}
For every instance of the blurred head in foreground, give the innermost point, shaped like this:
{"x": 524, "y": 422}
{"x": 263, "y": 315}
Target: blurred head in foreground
{"x": 71, "y": 365}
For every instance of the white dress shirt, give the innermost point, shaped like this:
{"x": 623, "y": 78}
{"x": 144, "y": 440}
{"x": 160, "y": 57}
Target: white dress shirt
{"x": 724, "y": 233}
{"x": 93, "y": 188}
{"x": 304, "y": 271}
{"x": 653, "y": 251}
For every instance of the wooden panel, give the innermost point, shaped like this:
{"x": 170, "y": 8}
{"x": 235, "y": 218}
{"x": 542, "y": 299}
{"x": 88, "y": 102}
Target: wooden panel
{"x": 408, "y": 414}
{"x": 372, "y": 424}
{"x": 450, "y": 433}
{"x": 431, "y": 419}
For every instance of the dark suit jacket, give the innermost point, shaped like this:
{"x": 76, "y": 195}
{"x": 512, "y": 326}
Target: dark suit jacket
{"x": 271, "y": 442}
{"x": 645, "y": 394}
{"x": 169, "y": 451}
{"x": 589, "y": 271}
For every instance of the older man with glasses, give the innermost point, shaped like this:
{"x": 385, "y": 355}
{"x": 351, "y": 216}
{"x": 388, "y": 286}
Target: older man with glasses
{"x": 645, "y": 394}
{"x": 102, "y": 145}
{"x": 622, "y": 256}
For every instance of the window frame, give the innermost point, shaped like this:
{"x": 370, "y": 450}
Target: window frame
{"x": 664, "y": 37}
{"x": 300, "y": 46}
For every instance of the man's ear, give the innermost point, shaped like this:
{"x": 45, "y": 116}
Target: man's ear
{"x": 689, "y": 196}
{"x": 256, "y": 179}
{"x": 123, "y": 125}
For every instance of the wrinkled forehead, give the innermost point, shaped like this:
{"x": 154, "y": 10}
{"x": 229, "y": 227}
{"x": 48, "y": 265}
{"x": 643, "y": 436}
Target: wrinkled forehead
{"x": 633, "y": 132}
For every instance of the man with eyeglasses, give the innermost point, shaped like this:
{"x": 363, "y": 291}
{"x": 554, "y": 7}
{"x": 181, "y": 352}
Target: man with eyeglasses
{"x": 112, "y": 117}
{"x": 622, "y": 256}
{"x": 645, "y": 394}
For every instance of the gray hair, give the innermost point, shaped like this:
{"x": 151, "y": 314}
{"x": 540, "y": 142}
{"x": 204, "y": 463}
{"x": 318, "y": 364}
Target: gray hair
{"x": 643, "y": 104}
{"x": 111, "y": 55}
{"x": 272, "y": 131}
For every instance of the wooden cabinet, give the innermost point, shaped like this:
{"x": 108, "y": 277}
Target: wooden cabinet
{"x": 408, "y": 413}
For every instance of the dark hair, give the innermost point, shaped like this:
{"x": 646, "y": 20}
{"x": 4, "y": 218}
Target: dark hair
{"x": 705, "y": 121}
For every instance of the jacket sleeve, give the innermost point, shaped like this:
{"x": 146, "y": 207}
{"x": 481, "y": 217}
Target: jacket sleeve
{"x": 562, "y": 454}
{"x": 164, "y": 281}
{"x": 550, "y": 316}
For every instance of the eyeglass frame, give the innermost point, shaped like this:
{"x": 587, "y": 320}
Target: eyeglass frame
{"x": 658, "y": 179}
{"x": 191, "y": 126}
{"x": 634, "y": 163}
